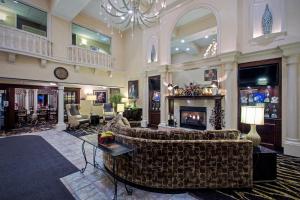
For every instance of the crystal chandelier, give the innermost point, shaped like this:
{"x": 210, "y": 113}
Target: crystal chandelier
{"x": 125, "y": 13}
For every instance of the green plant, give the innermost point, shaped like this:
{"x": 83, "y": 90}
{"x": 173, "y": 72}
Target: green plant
{"x": 115, "y": 99}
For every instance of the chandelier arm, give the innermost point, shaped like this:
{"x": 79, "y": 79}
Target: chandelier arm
{"x": 123, "y": 14}
{"x": 149, "y": 9}
{"x": 147, "y": 20}
{"x": 126, "y": 4}
{"x": 123, "y": 21}
{"x": 145, "y": 24}
{"x": 128, "y": 23}
{"x": 114, "y": 7}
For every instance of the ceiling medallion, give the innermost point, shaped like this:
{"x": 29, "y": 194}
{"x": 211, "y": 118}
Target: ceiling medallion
{"x": 61, "y": 73}
{"x": 125, "y": 13}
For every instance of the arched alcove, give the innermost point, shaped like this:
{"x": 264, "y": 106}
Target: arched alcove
{"x": 194, "y": 36}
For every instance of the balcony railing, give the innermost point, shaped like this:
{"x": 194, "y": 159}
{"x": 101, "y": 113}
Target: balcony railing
{"x": 19, "y": 41}
{"x": 89, "y": 58}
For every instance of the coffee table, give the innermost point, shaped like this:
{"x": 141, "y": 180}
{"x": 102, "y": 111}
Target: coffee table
{"x": 114, "y": 149}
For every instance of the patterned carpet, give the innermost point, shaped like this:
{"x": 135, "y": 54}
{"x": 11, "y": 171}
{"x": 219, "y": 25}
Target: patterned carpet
{"x": 287, "y": 185}
{"x": 29, "y": 129}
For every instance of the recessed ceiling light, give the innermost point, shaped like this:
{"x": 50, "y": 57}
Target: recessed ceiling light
{"x": 206, "y": 36}
{"x": 130, "y": 11}
{"x": 176, "y": 49}
{"x": 122, "y": 17}
{"x": 16, "y": 2}
{"x": 188, "y": 49}
{"x": 182, "y": 41}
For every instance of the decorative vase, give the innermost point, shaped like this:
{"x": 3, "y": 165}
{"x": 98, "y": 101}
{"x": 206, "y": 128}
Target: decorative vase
{"x": 267, "y": 21}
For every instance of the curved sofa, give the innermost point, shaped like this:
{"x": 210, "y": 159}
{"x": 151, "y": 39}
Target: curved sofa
{"x": 180, "y": 159}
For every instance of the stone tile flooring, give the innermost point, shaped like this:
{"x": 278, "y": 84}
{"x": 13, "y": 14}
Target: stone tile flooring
{"x": 94, "y": 184}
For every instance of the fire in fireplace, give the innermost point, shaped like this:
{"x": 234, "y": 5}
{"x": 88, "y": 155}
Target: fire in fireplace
{"x": 193, "y": 117}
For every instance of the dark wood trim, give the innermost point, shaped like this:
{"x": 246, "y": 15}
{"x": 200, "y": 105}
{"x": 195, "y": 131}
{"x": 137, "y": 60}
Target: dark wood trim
{"x": 196, "y": 97}
{"x": 275, "y": 124}
{"x": 3, "y": 85}
{"x": 154, "y": 116}
{"x": 10, "y": 122}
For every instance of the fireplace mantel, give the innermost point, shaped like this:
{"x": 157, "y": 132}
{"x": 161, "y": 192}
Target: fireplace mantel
{"x": 213, "y": 97}
{"x": 216, "y": 98}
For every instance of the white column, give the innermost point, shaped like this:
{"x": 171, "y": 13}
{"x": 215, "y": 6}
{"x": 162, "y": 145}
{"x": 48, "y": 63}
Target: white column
{"x": 60, "y": 126}
{"x": 144, "y": 122}
{"x": 163, "y": 94}
{"x": 27, "y": 100}
{"x": 35, "y": 102}
{"x": 230, "y": 84}
{"x": 292, "y": 142}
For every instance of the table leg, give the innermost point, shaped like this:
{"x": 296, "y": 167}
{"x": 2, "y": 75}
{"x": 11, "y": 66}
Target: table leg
{"x": 128, "y": 190}
{"x": 115, "y": 180}
{"x": 94, "y": 156}
{"x": 84, "y": 155}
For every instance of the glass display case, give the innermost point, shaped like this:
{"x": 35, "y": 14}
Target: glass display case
{"x": 266, "y": 95}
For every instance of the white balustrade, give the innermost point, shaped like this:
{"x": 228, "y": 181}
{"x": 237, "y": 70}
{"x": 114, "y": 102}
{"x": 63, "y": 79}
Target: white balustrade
{"x": 14, "y": 39}
{"x": 89, "y": 58}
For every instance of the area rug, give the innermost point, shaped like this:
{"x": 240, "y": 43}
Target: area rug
{"x": 30, "y": 169}
{"x": 287, "y": 185}
{"x": 28, "y": 129}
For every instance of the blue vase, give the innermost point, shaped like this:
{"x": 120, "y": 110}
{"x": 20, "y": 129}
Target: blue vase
{"x": 267, "y": 21}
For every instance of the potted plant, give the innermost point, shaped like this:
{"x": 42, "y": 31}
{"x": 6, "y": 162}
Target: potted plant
{"x": 115, "y": 99}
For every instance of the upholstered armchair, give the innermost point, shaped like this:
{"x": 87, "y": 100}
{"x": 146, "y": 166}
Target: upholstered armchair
{"x": 75, "y": 119}
{"x": 108, "y": 112}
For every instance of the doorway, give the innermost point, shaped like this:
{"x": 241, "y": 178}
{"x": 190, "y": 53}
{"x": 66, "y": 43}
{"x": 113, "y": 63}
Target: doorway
{"x": 154, "y": 101}
{"x": 3, "y": 108}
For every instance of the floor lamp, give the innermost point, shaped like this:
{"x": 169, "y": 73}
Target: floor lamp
{"x": 253, "y": 115}
{"x": 91, "y": 98}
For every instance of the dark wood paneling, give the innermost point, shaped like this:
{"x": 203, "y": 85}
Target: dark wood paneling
{"x": 154, "y": 116}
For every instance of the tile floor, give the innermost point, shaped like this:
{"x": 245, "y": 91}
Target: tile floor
{"x": 93, "y": 184}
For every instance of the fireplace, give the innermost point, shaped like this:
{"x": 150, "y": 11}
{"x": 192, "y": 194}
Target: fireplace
{"x": 193, "y": 117}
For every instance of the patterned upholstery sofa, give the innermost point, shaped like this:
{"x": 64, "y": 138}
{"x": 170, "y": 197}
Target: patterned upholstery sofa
{"x": 179, "y": 159}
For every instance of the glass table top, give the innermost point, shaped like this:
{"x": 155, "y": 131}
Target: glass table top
{"x": 113, "y": 148}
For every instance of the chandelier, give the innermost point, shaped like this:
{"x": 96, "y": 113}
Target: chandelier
{"x": 125, "y": 13}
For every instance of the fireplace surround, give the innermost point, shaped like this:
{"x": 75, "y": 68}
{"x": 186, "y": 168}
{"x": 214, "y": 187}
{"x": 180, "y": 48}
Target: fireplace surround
{"x": 193, "y": 117}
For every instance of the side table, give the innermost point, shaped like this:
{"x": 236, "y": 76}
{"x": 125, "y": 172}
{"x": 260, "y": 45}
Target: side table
{"x": 95, "y": 120}
{"x": 264, "y": 164}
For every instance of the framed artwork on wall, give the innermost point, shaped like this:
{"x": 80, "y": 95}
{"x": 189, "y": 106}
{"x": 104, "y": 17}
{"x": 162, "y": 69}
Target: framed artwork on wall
{"x": 101, "y": 97}
{"x": 211, "y": 75}
{"x": 114, "y": 91}
{"x": 133, "y": 89}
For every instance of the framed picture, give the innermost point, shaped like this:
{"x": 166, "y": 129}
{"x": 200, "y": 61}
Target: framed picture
{"x": 133, "y": 89}
{"x": 101, "y": 97}
{"x": 114, "y": 91}
{"x": 211, "y": 75}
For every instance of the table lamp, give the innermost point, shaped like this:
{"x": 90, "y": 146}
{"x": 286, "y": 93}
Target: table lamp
{"x": 253, "y": 115}
{"x": 91, "y": 97}
{"x": 120, "y": 108}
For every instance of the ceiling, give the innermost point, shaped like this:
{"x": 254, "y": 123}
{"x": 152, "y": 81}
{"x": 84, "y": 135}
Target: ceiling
{"x": 28, "y": 12}
{"x": 192, "y": 16}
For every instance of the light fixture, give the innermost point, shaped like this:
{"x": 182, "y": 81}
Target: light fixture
{"x": 253, "y": 115}
{"x": 109, "y": 74}
{"x": 2, "y": 16}
{"x": 182, "y": 41}
{"x": 120, "y": 108}
{"x": 91, "y": 98}
{"x": 83, "y": 41}
{"x": 52, "y": 84}
{"x": 15, "y": 1}
{"x": 132, "y": 13}
{"x": 176, "y": 49}
{"x": 206, "y": 36}
{"x": 188, "y": 49}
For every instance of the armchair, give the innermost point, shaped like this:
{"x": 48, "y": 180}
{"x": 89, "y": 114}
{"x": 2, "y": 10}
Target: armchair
{"x": 108, "y": 112}
{"x": 75, "y": 119}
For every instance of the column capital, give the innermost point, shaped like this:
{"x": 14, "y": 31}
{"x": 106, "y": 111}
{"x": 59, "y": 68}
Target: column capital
{"x": 290, "y": 49}
{"x": 230, "y": 57}
{"x": 292, "y": 59}
{"x": 60, "y": 86}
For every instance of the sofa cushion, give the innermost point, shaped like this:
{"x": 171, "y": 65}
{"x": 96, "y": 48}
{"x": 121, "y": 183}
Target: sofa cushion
{"x": 223, "y": 134}
{"x": 126, "y": 122}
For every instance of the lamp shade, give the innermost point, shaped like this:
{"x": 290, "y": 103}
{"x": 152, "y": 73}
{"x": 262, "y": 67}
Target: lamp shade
{"x": 252, "y": 115}
{"x": 120, "y": 107}
{"x": 91, "y": 97}
{"x": 124, "y": 100}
